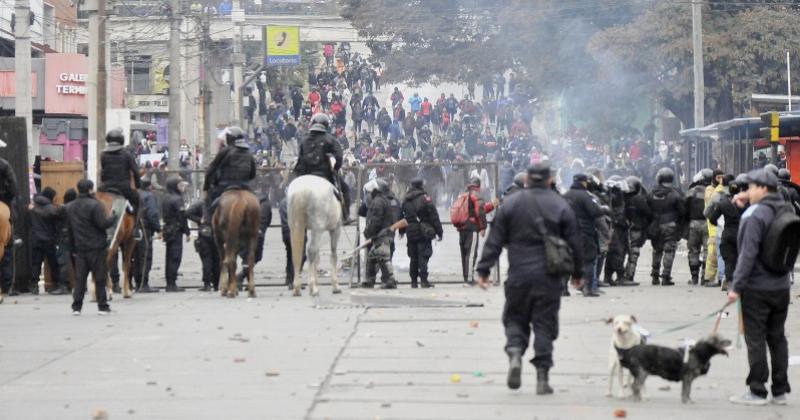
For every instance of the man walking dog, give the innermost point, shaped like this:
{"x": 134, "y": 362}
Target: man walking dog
{"x": 764, "y": 293}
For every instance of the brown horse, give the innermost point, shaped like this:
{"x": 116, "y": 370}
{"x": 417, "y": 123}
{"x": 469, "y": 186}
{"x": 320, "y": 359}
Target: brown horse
{"x": 235, "y": 224}
{"x": 6, "y": 230}
{"x": 124, "y": 242}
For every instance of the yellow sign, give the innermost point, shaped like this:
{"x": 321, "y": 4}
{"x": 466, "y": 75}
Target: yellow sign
{"x": 283, "y": 45}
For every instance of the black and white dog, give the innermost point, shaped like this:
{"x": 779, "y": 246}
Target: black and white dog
{"x": 673, "y": 364}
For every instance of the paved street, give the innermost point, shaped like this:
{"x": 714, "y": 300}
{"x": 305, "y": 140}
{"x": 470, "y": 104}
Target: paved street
{"x": 359, "y": 355}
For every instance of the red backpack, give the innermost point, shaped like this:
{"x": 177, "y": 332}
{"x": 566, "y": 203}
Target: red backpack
{"x": 459, "y": 212}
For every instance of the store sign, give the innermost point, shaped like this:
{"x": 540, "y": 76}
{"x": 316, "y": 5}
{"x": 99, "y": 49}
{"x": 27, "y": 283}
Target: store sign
{"x": 73, "y": 84}
{"x": 65, "y": 84}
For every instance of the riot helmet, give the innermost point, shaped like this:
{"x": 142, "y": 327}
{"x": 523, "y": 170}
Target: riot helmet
{"x": 320, "y": 123}
{"x": 665, "y": 176}
{"x": 784, "y": 175}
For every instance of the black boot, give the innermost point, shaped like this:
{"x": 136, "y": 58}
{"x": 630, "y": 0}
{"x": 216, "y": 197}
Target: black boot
{"x": 368, "y": 284}
{"x": 656, "y": 281}
{"x": 426, "y": 284}
{"x": 542, "y": 382}
{"x": 695, "y": 276}
{"x": 390, "y": 284}
{"x": 173, "y": 287}
{"x": 414, "y": 284}
{"x": 666, "y": 281}
{"x": 206, "y": 287}
{"x": 514, "y": 380}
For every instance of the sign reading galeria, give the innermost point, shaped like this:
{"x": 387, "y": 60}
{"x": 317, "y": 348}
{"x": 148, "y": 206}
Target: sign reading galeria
{"x": 65, "y": 84}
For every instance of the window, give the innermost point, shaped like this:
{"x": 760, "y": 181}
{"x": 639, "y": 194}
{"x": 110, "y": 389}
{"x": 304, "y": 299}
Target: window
{"x": 137, "y": 72}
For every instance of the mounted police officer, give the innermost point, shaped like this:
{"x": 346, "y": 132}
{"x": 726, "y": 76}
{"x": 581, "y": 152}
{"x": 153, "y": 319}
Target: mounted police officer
{"x": 313, "y": 158}
{"x": 639, "y": 216}
{"x": 669, "y": 209}
{"x": 379, "y": 218}
{"x": 119, "y": 170}
{"x": 423, "y": 226}
{"x": 698, "y": 230}
{"x": 234, "y": 166}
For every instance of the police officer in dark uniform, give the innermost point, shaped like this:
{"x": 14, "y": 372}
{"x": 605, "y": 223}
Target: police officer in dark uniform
{"x": 533, "y": 296}
{"x": 144, "y": 249}
{"x": 517, "y": 185}
{"x": 313, "y": 158}
{"x": 423, "y": 226}
{"x": 639, "y": 217}
{"x": 206, "y": 248}
{"x": 668, "y": 209}
{"x": 589, "y": 216}
{"x": 234, "y": 166}
{"x": 118, "y": 168}
{"x": 725, "y": 207}
{"x": 788, "y": 189}
{"x": 618, "y": 247}
{"x": 698, "y": 229}
{"x": 379, "y": 256}
{"x": 175, "y": 226}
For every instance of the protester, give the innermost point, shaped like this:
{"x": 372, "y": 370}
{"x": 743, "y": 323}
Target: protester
{"x": 474, "y": 227}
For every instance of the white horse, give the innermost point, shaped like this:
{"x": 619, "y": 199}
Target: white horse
{"x": 312, "y": 206}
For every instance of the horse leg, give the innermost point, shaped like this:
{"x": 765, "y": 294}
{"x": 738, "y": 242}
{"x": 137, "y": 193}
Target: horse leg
{"x": 298, "y": 233}
{"x": 111, "y": 259}
{"x": 223, "y": 282}
{"x": 127, "y": 255}
{"x": 251, "y": 262}
{"x": 313, "y": 259}
{"x": 230, "y": 263}
{"x": 334, "y": 234}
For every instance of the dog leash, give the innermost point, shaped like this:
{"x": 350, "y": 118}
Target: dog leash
{"x": 717, "y": 314}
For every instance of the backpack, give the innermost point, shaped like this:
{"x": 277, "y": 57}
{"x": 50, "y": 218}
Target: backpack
{"x": 459, "y": 212}
{"x": 781, "y": 243}
{"x": 314, "y": 151}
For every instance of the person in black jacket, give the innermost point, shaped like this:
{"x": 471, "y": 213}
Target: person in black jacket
{"x": 589, "y": 215}
{"x": 175, "y": 226}
{"x": 618, "y": 247}
{"x": 233, "y": 166}
{"x": 698, "y": 227}
{"x": 88, "y": 222}
{"x": 8, "y": 183}
{"x": 66, "y": 263}
{"x": 206, "y": 248}
{"x": 379, "y": 254}
{"x": 732, "y": 215}
{"x": 143, "y": 256}
{"x": 639, "y": 217}
{"x": 423, "y": 226}
{"x": 668, "y": 207}
{"x": 45, "y": 220}
{"x": 119, "y": 169}
{"x": 533, "y": 296}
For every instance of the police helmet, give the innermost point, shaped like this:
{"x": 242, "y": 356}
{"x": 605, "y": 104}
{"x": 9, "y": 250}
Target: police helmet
{"x": 320, "y": 123}
{"x": 784, "y": 175}
{"x": 115, "y": 136}
{"x": 475, "y": 181}
{"x": 383, "y": 186}
{"x": 705, "y": 176}
{"x": 172, "y": 183}
{"x": 772, "y": 168}
{"x": 233, "y": 134}
{"x": 665, "y": 176}
{"x": 417, "y": 182}
{"x": 740, "y": 183}
{"x": 520, "y": 178}
{"x": 634, "y": 184}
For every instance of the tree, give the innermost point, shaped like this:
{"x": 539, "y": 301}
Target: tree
{"x": 744, "y": 52}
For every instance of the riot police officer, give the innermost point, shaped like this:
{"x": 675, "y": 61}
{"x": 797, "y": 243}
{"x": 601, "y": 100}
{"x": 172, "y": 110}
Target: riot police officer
{"x": 423, "y": 226}
{"x": 698, "y": 230}
{"x": 234, "y": 166}
{"x": 175, "y": 226}
{"x": 788, "y": 189}
{"x": 206, "y": 248}
{"x": 639, "y": 216}
{"x": 668, "y": 209}
{"x": 618, "y": 247}
{"x": 589, "y": 215}
{"x": 379, "y": 219}
{"x": 313, "y": 158}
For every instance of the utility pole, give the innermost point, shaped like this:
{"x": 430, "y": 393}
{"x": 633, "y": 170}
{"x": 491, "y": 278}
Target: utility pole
{"x": 697, "y": 46}
{"x": 205, "y": 90}
{"x": 97, "y": 85}
{"x": 23, "y": 105}
{"x": 174, "y": 84}
{"x": 789, "y": 78}
{"x": 238, "y": 61}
